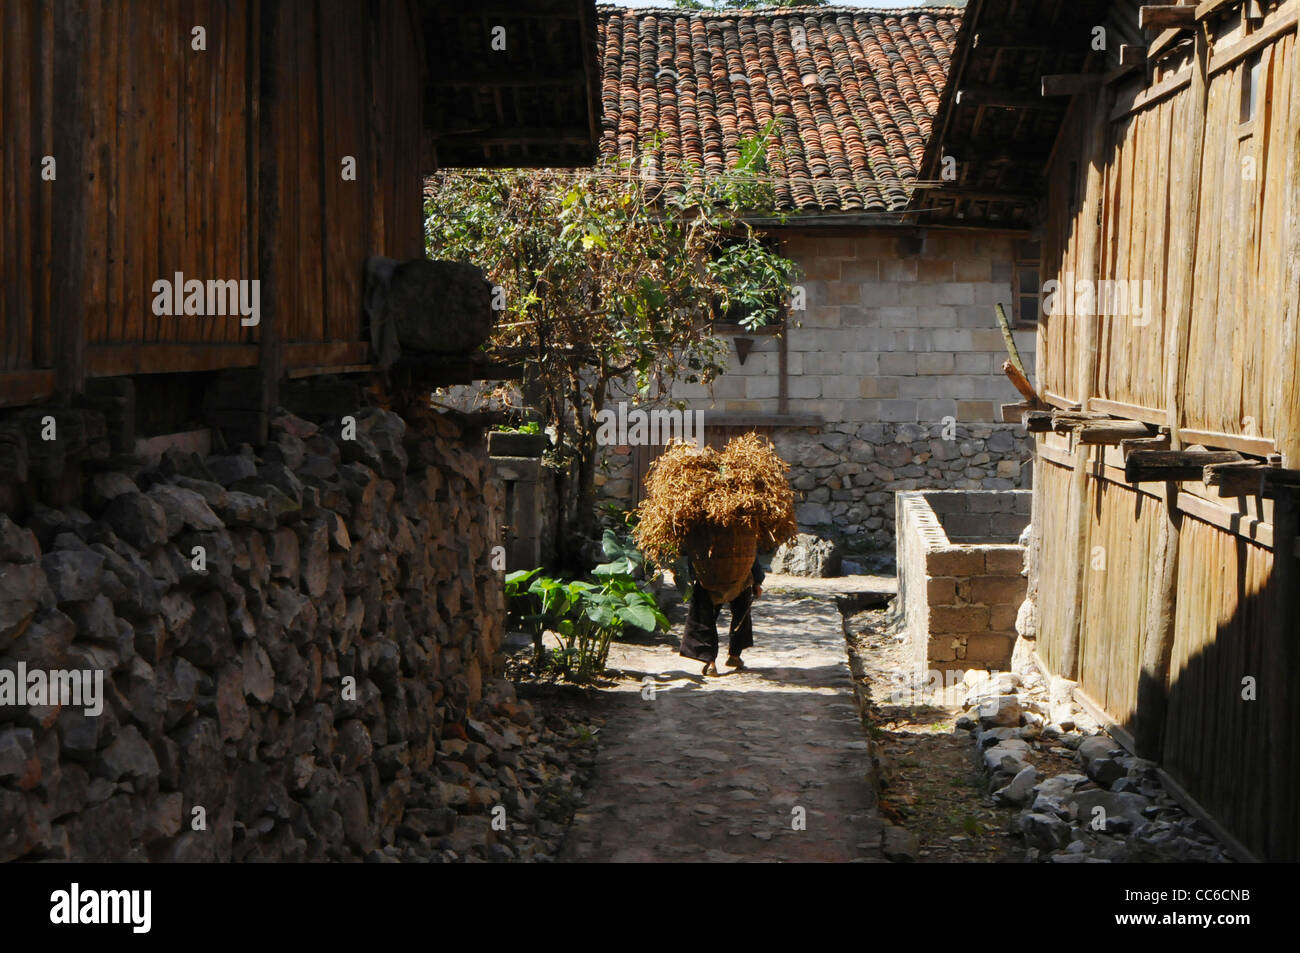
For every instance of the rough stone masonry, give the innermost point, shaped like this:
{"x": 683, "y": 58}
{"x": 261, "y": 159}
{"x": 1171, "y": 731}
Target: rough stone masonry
{"x": 324, "y": 687}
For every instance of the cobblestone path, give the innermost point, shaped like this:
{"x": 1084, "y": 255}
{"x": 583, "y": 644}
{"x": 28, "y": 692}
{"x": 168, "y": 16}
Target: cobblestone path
{"x": 767, "y": 764}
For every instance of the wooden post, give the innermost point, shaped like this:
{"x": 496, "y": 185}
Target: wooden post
{"x": 1280, "y": 656}
{"x": 1279, "y": 659}
{"x": 1086, "y": 373}
{"x": 1159, "y": 629}
{"x": 269, "y": 157}
{"x": 76, "y": 26}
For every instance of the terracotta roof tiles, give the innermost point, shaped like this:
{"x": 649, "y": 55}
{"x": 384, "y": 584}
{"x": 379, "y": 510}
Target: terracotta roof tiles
{"x": 853, "y": 93}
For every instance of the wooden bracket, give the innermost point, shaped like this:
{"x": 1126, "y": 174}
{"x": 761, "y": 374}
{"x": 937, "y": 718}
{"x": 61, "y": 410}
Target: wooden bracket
{"x": 1111, "y": 431}
{"x": 1166, "y": 16}
{"x": 1037, "y": 421}
{"x": 1132, "y": 55}
{"x": 1068, "y": 421}
{"x": 1160, "y": 466}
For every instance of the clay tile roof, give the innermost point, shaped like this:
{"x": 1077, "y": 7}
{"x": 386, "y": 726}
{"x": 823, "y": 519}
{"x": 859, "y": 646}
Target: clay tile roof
{"x": 853, "y": 93}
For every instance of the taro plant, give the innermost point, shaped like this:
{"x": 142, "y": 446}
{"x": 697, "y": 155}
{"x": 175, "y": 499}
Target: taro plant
{"x": 587, "y": 616}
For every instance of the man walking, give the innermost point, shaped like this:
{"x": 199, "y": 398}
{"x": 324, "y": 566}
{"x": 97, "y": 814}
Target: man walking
{"x": 700, "y": 641}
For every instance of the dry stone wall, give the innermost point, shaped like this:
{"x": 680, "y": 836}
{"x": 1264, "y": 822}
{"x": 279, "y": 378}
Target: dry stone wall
{"x": 845, "y": 475}
{"x": 299, "y": 653}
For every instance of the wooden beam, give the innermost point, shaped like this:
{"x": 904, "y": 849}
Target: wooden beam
{"x": 1037, "y": 421}
{"x": 1158, "y": 442}
{"x": 1211, "y": 7}
{"x": 1132, "y": 55}
{"x": 26, "y": 387}
{"x": 121, "y": 360}
{"x": 1067, "y": 421}
{"x": 1069, "y": 84}
{"x": 1169, "y": 466}
{"x": 1013, "y": 413}
{"x": 1110, "y": 431}
{"x": 1166, "y": 16}
{"x": 1242, "y": 478}
{"x": 1001, "y": 98}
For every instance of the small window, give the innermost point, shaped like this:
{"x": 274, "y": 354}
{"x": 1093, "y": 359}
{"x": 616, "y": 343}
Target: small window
{"x": 732, "y": 318}
{"x": 1250, "y": 86}
{"x": 1026, "y": 284}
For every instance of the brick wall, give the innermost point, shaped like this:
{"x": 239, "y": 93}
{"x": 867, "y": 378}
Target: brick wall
{"x": 959, "y": 594}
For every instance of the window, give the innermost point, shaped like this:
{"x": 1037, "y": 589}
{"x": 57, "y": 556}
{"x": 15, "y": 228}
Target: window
{"x": 1026, "y": 283}
{"x": 1250, "y": 87}
{"x": 732, "y": 318}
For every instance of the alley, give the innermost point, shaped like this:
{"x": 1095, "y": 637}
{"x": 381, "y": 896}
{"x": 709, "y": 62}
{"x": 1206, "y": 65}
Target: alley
{"x": 766, "y": 764}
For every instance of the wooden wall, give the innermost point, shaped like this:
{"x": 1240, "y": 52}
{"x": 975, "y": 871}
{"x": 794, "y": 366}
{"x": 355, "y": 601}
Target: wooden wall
{"x": 171, "y": 159}
{"x": 1198, "y": 597}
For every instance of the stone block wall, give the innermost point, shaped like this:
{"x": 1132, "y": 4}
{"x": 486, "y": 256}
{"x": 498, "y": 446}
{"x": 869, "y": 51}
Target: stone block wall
{"x": 960, "y": 590}
{"x": 898, "y": 355}
{"x": 886, "y": 335}
{"x": 299, "y": 651}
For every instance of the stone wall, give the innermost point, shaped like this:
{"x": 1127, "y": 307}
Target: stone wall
{"x": 845, "y": 475}
{"x": 299, "y": 651}
{"x": 959, "y": 594}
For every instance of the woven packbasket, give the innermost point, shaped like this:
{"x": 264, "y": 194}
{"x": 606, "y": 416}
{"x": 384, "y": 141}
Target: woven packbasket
{"x": 722, "y": 559}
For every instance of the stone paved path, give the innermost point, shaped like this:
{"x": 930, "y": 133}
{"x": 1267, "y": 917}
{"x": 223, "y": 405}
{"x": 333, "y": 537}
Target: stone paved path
{"x": 712, "y": 769}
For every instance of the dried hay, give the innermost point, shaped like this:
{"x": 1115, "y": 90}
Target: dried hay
{"x": 694, "y": 494}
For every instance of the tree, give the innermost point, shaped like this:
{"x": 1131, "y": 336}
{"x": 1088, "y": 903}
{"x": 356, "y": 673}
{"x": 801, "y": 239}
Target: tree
{"x": 610, "y": 275}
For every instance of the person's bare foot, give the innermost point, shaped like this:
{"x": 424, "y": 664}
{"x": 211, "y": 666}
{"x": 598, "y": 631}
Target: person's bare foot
{"x": 734, "y": 661}
{"x": 710, "y": 668}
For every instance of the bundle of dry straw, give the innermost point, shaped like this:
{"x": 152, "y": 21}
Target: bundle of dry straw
{"x": 692, "y": 492}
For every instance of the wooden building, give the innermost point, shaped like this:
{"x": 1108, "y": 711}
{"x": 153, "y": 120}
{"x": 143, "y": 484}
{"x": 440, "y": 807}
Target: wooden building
{"x": 281, "y": 141}
{"x": 1164, "y": 510}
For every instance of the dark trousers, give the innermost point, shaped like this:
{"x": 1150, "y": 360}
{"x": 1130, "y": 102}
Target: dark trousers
{"x": 700, "y": 640}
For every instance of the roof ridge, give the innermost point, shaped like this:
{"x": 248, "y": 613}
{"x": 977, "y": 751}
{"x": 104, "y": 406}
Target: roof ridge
{"x": 780, "y": 11}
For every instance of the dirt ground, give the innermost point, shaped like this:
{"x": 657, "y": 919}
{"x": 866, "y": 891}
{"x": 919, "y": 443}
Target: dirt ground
{"x": 931, "y": 781}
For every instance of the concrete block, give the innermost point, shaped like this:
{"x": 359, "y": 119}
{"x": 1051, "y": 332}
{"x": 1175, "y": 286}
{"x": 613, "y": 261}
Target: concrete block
{"x": 937, "y": 362}
{"x": 841, "y": 387}
{"x": 898, "y": 411}
{"x": 955, "y": 562}
{"x": 976, "y": 411}
{"x": 1004, "y": 561}
{"x": 897, "y": 316}
{"x": 859, "y": 363}
{"x": 897, "y": 364}
{"x": 954, "y": 292}
{"x": 898, "y": 269}
{"x": 949, "y": 620}
{"x": 823, "y": 363}
{"x": 805, "y": 387}
{"x": 934, "y": 409}
{"x": 935, "y": 269}
{"x": 863, "y": 270}
{"x": 941, "y": 591}
{"x": 974, "y": 269}
{"x": 879, "y": 294}
{"x": 879, "y": 387}
{"x": 764, "y": 386}
{"x": 992, "y": 590}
